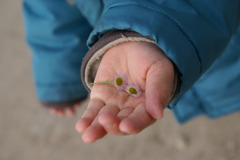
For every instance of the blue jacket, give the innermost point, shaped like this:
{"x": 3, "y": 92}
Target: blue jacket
{"x": 201, "y": 37}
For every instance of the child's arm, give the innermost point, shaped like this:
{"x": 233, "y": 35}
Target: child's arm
{"x": 57, "y": 34}
{"x": 192, "y": 34}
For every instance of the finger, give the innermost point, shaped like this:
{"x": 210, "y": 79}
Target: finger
{"x": 159, "y": 85}
{"x": 83, "y": 124}
{"x": 52, "y": 111}
{"x": 137, "y": 121}
{"x": 56, "y": 111}
{"x": 125, "y": 112}
{"x": 76, "y": 106}
{"x": 60, "y": 112}
{"x": 89, "y": 115}
{"x": 94, "y": 132}
{"x": 70, "y": 111}
{"x": 109, "y": 120}
{"x": 94, "y": 106}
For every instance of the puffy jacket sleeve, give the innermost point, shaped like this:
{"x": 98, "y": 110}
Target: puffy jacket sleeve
{"x": 191, "y": 33}
{"x": 57, "y": 34}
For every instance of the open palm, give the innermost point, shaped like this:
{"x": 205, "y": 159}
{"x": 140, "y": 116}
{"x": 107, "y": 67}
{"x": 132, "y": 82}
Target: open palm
{"x": 115, "y": 112}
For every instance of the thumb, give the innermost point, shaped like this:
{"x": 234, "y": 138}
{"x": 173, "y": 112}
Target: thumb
{"x": 159, "y": 86}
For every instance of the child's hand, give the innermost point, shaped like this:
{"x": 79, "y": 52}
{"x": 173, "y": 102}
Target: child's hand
{"x": 70, "y": 111}
{"x": 113, "y": 111}
{"x": 64, "y": 107}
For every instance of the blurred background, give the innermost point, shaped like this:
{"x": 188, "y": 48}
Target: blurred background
{"x": 29, "y": 132}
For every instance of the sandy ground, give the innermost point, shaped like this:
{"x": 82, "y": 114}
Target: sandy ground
{"x": 28, "y": 132}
